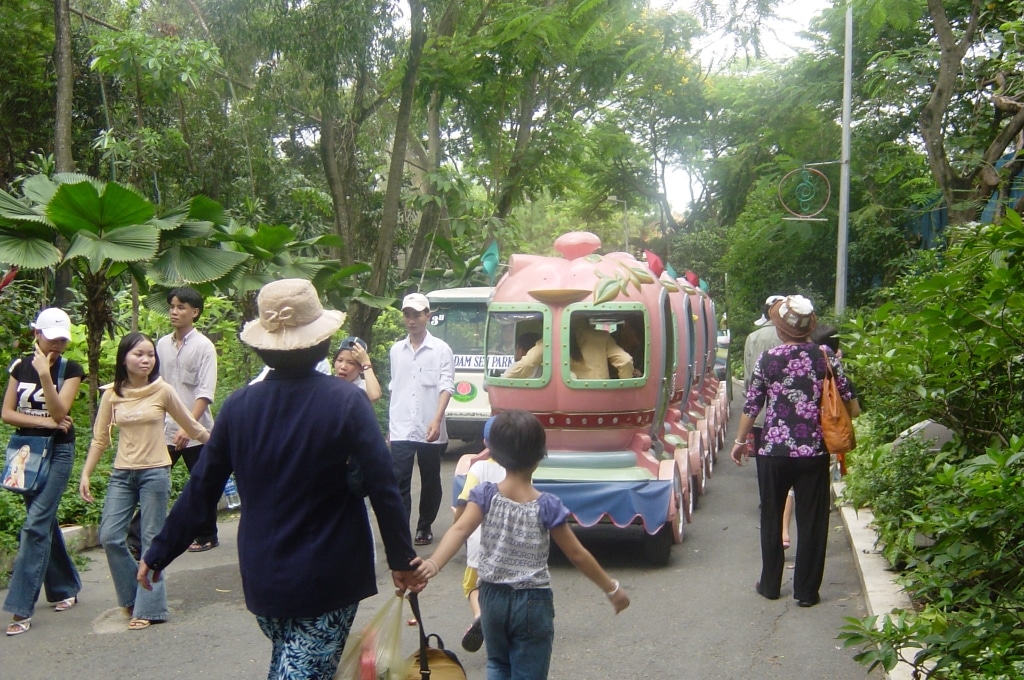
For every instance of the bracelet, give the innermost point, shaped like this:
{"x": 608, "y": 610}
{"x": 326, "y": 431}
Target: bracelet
{"x": 737, "y": 442}
{"x": 437, "y": 570}
{"x": 367, "y": 367}
{"x": 615, "y": 590}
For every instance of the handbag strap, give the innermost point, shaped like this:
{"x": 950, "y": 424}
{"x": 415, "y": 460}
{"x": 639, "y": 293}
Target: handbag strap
{"x": 414, "y": 602}
{"x": 63, "y": 364}
{"x": 828, "y": 364}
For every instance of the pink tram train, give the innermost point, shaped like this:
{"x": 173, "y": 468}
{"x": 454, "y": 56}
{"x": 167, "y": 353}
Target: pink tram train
{"x": 620, "y": 371}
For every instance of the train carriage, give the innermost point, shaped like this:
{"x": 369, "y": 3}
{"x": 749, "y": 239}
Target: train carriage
{"x": 613, "y": 367}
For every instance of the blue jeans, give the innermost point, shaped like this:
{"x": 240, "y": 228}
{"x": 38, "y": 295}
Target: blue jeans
{"x": 43, "y": 560}
{"x": 151, "y": 490}
{"x": 428, "y": 456}
{"x": 519, "y": 631}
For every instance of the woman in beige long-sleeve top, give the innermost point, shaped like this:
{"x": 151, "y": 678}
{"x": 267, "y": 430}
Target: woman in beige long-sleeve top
{"x": 136, "y": 404}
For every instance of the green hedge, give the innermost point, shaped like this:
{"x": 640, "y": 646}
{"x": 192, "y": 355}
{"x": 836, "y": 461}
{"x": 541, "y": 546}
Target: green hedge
{"x": 948, "y": 345}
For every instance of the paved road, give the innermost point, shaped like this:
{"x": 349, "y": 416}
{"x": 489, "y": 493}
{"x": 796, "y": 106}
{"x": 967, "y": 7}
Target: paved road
{"x": 696, "y": 618}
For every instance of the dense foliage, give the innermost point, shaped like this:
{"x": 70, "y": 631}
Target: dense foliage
{"x": 947, "y": 345}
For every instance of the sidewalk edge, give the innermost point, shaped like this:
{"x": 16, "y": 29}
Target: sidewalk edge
{"x": 881, "y": 593}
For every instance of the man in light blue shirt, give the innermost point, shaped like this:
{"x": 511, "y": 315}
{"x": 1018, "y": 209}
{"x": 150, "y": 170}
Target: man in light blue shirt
{"x": 422, "y": 383}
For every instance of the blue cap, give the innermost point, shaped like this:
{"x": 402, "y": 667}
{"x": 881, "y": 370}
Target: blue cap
{"x": 487, "y": 427}
{"x": 350, "y": 343}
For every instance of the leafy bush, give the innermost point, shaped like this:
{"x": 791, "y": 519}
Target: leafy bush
{"x": 948, "y": 345}
{"x": 969, "y": 580}
{"x": 887, "y": 478}
{"x": 237, "y": 364}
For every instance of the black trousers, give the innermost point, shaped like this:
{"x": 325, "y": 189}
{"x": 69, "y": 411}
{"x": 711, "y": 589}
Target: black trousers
{"x": 208, "y": 533}
{"x": 428, "y": 458}
{"x": 809, "y": 478}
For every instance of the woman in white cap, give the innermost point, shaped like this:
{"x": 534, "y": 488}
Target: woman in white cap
{"x": 787, "y": 383}
{"x": 40, "y": 392}
{"x": 304, "y": 544}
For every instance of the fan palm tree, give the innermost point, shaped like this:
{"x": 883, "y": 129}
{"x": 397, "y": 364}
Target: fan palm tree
{"x": 112, "y": 231}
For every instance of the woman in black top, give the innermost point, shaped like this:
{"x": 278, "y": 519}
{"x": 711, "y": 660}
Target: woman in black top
{"x": 34, "y": 404}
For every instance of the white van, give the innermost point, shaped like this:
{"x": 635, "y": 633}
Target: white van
{"x": 459, "y": 316}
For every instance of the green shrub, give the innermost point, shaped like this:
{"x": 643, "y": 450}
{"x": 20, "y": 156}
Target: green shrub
{"x": 968, "y": 580}
{"x": 887, "y": 479}
{"x": 947, "y": 345}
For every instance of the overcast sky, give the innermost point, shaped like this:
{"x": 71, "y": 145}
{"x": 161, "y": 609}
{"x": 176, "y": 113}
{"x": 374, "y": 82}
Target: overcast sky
{"x": 780, "y": 42}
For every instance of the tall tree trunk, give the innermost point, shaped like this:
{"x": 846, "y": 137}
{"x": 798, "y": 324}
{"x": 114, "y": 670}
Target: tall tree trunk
{"x": 430, "y": 163}
{"x": 62, "y": 151}
{"x": 430, "y": 157}
{"x": 396, "y": 171}
{"x": 65, "y": 88}
{"x": 362, "y": 317}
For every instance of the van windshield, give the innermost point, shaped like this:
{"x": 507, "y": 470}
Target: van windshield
{"x": 461, "y": 325}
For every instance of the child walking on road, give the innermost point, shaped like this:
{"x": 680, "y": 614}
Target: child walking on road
{"x": 518, "y": 521}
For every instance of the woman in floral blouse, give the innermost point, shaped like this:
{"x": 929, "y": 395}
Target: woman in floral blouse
{"x": 787, "y": 382}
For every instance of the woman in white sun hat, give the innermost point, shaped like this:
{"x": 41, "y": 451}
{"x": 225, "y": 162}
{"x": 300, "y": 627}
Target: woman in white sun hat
{"x": 304, "y": 544}
{"x": 787, "y": 383}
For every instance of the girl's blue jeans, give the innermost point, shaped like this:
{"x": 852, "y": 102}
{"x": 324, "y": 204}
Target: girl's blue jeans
{"x": 150, "y": 489}
{"x": 42, "y": 559}
{"x": 519, "y": 631}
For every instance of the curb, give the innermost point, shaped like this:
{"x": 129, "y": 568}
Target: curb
{"x": 881, "y": 592}
{"x": 78, "y": 538}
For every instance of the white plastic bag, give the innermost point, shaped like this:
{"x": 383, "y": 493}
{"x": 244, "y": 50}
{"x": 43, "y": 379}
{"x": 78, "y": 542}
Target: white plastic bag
{"x": 375, "y": 653}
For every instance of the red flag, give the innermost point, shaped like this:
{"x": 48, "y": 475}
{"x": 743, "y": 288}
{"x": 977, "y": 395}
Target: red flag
{"x": 692, "y": 278}
{"x": 654, "y": 263}
{"x": 8, "y": 277}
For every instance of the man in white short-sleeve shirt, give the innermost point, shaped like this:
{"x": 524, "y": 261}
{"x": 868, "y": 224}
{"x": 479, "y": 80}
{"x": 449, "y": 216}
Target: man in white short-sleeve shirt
{"x": 422, "y": 383}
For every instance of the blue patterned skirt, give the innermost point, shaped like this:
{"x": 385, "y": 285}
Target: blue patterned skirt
{"x": 308, "y": 647}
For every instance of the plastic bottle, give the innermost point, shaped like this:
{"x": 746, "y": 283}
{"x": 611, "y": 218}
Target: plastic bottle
{"x": 231, "y": 494}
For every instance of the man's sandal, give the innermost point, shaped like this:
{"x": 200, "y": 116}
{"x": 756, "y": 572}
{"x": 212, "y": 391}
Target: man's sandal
{"x": 19, "y": 627}
{"x": 139, "y": 624}
{"x": 65, "y": 605}
{"x": 197, "y": 547}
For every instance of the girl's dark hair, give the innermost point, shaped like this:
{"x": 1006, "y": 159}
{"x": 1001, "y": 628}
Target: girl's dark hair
{"x": 294, "y": 358}
{"x": 126, "y": 345}
{"x": 517, "y": 440}
{"x": 826, "y": 335}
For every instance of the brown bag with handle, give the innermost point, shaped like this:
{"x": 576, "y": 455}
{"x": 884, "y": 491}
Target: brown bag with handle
{"x": 432, "y": 663}
{"x": 836, "y": 424}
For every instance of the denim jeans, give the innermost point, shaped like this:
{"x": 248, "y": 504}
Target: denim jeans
{"x": 428, "y": 457}
{"x": 205, "y": 534}
{"x": 43, "y": 560}
{"x": 151, "y": 490}
{"x": 519, "y": 631}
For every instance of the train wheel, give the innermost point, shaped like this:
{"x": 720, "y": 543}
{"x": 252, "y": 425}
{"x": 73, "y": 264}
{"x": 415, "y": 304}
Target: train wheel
{"x": 696, "y": 489}
{"x": 679, "y": 523}
{"x": 688, "y": 496}
{"x": 658, "y": 547}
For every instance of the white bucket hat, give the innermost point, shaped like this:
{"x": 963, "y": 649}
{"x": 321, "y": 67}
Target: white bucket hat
{"x": 291, "y": 317}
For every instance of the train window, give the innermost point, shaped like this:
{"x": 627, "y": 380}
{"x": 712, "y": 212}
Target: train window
{"x": 516, "y": 349}
{"x": 606, "y": 345}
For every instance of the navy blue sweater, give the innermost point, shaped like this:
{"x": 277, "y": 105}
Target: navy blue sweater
{"x": 304, "y": 541}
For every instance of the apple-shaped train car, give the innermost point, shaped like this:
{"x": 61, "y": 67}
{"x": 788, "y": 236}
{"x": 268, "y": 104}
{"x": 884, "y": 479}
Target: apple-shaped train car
{"x": 617, "y": 364}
